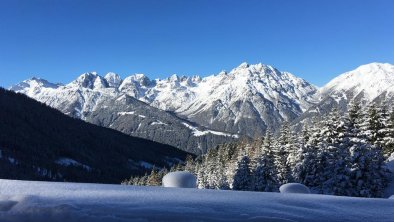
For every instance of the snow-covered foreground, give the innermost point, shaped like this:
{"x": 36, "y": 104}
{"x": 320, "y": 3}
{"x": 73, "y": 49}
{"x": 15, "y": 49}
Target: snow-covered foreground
{"x": 49, "y": 201}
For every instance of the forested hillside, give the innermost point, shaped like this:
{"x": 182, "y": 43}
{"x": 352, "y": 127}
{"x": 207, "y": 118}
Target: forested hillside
{"x": 40, "y": 143}
{"x": 340, "y": 155}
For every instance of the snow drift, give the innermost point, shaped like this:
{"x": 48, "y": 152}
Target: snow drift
{"x": 181, "y": 179}
{"x": 53, "y": 201}
{"x": 294, "y": 188}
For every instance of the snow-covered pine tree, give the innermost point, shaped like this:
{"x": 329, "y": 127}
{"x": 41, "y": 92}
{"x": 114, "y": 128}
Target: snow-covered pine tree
{"x": 385, "y": 134}
{"x": 242, "y": 177}
{"x": 231, "y": 155}
{"x": 389, "y": 135}
{"x": 304, "y": 157}
{"x": 282, "y": 148}
{"x": 153, "y": 179}
{"x": 264, "y": 175}
{"x": 332, "y": 164}
{"x": 201, "y": 176}
{"x": 189, "y": 164}
{"x": 221, "y": 179}
{"x": 210, "y": 168}
{"x": 368, "y": 174}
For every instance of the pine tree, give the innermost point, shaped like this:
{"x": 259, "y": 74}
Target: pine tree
{"x": 153, "y": 179}
{"x": 264, "y": 175}
{"x": 189, "y": 164}
{"x": 242, "y": 177}
{"x": 221, "y": 179}
{"x": 302, "y": 157}
{"x": 368, "y": 175}
{"x": 282, "y": 149}
{"x": 210, "y": 168}
{"x": 388, "y": 140}
{"x": 330, "y": 152}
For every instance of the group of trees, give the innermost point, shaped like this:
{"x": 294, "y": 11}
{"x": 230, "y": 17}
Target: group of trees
{"x": 338, "y": 155}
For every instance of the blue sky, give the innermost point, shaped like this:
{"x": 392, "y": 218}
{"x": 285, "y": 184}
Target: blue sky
{"x": 316, "y": 40}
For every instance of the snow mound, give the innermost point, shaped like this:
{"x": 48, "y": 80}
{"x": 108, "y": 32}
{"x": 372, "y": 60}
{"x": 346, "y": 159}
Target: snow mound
{"x": 180, "y": 179}
{"x": 294, "y": 188}
{"x": 391, "y": 197}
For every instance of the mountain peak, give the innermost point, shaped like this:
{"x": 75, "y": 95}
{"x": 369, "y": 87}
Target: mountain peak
{"x": 370, "y": 79}
{"x": 375, "y": 66}
{"x": 86, "y": 80}
{"x": 243, "y": 65}
{"x": 113, "y": 79}
{"x": 33, "y": 83}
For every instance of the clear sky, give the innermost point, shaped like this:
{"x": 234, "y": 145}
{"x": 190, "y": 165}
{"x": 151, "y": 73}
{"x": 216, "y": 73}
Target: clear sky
{"x": 316, "y": 40}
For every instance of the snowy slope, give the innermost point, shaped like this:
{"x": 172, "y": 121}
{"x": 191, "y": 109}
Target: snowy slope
{"x": 46, "y": 201}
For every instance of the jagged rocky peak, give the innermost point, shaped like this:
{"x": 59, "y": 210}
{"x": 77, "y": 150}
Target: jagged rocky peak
{"x": 243, "y": 65}
{"x": 255, "y": 70}
{"x": 86, "y": 80}
{"x": 141, "y": 79}
{"x": 113, "y": 79}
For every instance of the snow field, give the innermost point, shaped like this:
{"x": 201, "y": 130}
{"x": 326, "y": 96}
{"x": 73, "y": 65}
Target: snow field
{"x": 51, "y": 201}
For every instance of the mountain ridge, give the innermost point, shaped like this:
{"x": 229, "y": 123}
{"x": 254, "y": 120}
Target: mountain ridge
{"x": 246, "y": 101}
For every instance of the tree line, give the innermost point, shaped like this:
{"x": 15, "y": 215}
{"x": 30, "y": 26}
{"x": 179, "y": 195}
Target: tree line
{"x": 340, "y": 154}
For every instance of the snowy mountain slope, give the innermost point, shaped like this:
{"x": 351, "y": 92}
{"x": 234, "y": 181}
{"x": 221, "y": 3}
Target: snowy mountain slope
{"x": 368, "y": 83}
{"x": 249, "y": 99}
{"x": 246, "y": 100}
{"x": 136, "y": 118}
{"x": 48, "y": 201}
{"x": 90, "y": 97}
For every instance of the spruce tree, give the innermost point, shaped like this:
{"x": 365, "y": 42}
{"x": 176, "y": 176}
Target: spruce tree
{"x": 264, "y": 175}
{"x": 242, "y": 177}
{"x": 282, "y": 147}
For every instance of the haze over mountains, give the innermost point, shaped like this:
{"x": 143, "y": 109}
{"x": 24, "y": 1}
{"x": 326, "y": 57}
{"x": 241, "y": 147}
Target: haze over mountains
{"x": 194, "y": 113}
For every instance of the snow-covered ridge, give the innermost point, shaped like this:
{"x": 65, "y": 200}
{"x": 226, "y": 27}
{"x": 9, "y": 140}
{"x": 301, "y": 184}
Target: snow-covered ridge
{"x": 371, "y": 79}
{"x": 226, "y": 102}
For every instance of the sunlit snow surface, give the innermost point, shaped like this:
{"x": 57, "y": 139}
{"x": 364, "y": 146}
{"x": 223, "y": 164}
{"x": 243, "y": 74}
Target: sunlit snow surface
{"x": 48, "y": 201}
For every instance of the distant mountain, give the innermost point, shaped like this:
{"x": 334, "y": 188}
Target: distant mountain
{"x": 244, "y": 101}
{"x": 38, "y": 142}
{"x": 191, "y": 113}
{"x": 368, "y": 83}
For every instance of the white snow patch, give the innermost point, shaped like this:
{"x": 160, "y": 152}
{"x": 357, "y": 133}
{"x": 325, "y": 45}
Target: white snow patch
{"x": 126, "y": 113}
{"x": 197, "y": 132}
{"x": 158, "y": 122}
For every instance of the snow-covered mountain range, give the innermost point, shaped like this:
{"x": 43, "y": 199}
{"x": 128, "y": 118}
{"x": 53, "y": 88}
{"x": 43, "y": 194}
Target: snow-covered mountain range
{"x": 245, "y": 101}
